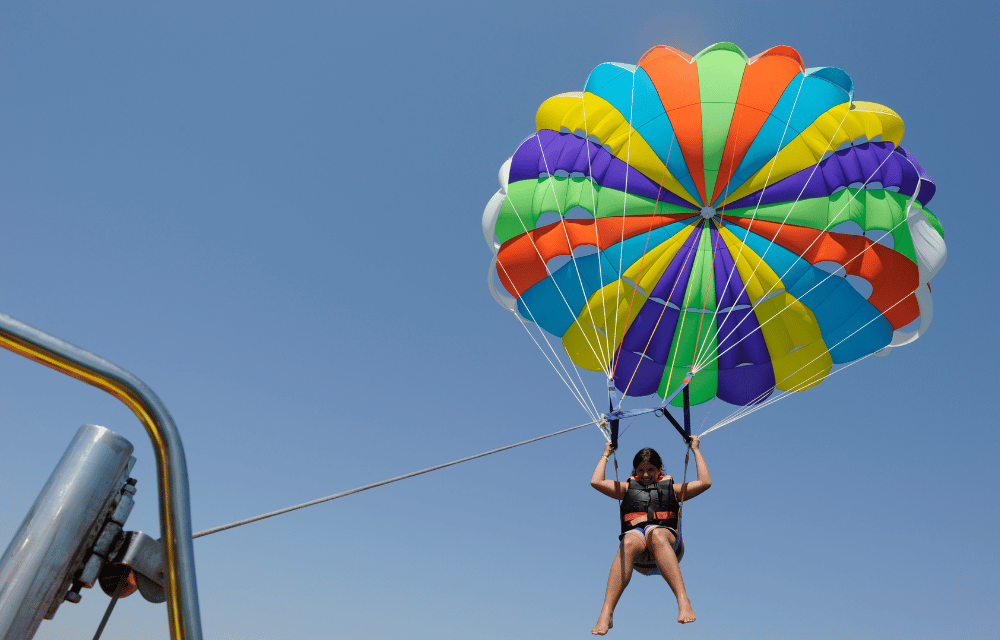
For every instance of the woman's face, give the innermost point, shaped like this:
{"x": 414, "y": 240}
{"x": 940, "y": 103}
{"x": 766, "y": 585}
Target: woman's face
{"x": 646, "y": 473}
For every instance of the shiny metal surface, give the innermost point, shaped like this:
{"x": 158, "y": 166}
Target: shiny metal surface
{"x": 60, "y": 530}
{"x": 171, "y": 468}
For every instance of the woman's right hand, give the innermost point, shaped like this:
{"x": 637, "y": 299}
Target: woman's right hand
{"x": 610, "y": 488}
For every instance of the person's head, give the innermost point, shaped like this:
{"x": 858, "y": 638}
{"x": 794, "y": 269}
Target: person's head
{"x": 647, "y": 465}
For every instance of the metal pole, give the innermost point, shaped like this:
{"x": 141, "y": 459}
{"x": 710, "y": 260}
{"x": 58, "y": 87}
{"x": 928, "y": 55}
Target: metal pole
{"x": 58, "y": 532}
{"x": 171, "y": 469}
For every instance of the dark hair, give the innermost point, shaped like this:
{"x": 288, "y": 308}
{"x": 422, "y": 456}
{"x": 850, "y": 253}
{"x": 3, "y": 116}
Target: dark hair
{"x": 646, "y": 455}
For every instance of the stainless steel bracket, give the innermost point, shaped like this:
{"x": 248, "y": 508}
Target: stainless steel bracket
{"x": 142, "y": 555}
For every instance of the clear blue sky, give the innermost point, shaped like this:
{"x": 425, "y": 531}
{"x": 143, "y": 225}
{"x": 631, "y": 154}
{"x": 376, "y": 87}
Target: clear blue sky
{"x": 271, "y": 214}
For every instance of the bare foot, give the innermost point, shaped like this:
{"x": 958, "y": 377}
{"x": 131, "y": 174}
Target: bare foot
{"x": 685, "y": 613}
{"x": 603, "y": 625}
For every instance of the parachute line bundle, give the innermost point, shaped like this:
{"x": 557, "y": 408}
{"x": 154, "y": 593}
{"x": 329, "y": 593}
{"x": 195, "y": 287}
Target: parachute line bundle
{"x": 741, "y": 218}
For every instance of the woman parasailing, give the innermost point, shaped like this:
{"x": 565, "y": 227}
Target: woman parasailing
{"x": 650, "y": 505}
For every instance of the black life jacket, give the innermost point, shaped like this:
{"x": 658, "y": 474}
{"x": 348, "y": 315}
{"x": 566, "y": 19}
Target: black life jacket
{"x": 649, "y": 504}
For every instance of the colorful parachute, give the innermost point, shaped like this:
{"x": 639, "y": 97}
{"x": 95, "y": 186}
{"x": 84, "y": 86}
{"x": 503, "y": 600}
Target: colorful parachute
{"x": 741, "y": 218}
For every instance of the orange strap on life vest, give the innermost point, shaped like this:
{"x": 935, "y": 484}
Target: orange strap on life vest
{"x": 638, "y": 518}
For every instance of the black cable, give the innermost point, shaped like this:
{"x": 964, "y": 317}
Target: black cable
{"x": 122, "y": 581}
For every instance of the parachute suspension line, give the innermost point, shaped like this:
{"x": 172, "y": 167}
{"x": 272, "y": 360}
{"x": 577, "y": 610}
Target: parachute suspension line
{"x": 750, "y": 408}
{"x": 576, "y": 320}
{"x": 827, "y": 277}
{"x": 767, "y": 180}
{"x": 622, "y": 432}
{"x": 649, "y": 233}
{"x": 699, "y": 347}
{"x": 568, "y": 380}
{"x": 572, "y": 389}
{"x": 384, "y": 482}
{"x": 656, "y": 326}
{"x": 753, "y": 218}
{"x": 603, "y": 358}
{"x": 787, "y": 215}
{"x": 745, "y": 411}
{"x": 800, "y": 386}
{"x": 816, "y": 239}
{"x": 680, "y": 330}
{"x": 621, "y": 540}
{"x": 621, "y": 243}
{"x": 704, "y": 306}
{"x": 597, "y": 233}
{"x": 703, "y": 348}
{"x": 680, "y": 503}
{"x": 803, "y": 384}
{"x": 711, "y": 405}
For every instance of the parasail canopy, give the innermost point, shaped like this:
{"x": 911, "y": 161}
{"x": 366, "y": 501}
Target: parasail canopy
{"x": 742, "y": 218}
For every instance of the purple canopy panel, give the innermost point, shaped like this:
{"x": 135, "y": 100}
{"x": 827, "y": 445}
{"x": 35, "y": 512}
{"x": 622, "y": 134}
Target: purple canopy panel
{"x": 927, "y": 185}
{"x": 740, "y": 339}
{"x": 635, "y": 375}
{"x": 746, "y": 374}
{"x": 652, "y": 331}
{"x": 674, "y": 281}
{"x": 738, "y": 325}
{"x": 870, "y": 164}
{"x": 567, "y": 152}
{"x": 892, "y": 174}
{"x": 638, "y": 184}
{"x": 733, "y": 293}
{"x": 746, "y": 385}
{"x": 865, "y": 163}
{"x": 745, "y": 371}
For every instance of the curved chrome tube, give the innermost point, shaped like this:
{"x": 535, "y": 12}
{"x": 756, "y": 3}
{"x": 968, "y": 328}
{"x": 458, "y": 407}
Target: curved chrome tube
{"x": 171, "y": 468}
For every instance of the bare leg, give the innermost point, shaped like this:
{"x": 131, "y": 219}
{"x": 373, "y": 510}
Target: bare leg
{"x": 621, "y": 572}
{"x": 661, "y": 542}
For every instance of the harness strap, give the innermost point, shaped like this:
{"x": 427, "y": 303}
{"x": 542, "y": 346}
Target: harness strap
{"x": 687, "y": 412}
{"x": 614, "y": 435}
{"x": 673, "y": 421}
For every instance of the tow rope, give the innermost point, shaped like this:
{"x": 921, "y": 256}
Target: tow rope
{"x": 366, "y": 487}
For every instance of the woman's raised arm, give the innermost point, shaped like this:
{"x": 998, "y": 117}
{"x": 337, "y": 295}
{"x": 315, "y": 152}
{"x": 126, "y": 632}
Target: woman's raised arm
{"x": 704, "y": 481}
{"x": 610, "y": 488}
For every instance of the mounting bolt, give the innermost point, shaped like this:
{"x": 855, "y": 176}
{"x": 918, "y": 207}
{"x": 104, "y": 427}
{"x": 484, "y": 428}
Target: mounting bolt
{"x": 74, "y": 594}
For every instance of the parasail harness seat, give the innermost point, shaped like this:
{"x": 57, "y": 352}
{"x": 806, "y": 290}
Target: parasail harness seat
{"x": 656, "y": 503}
